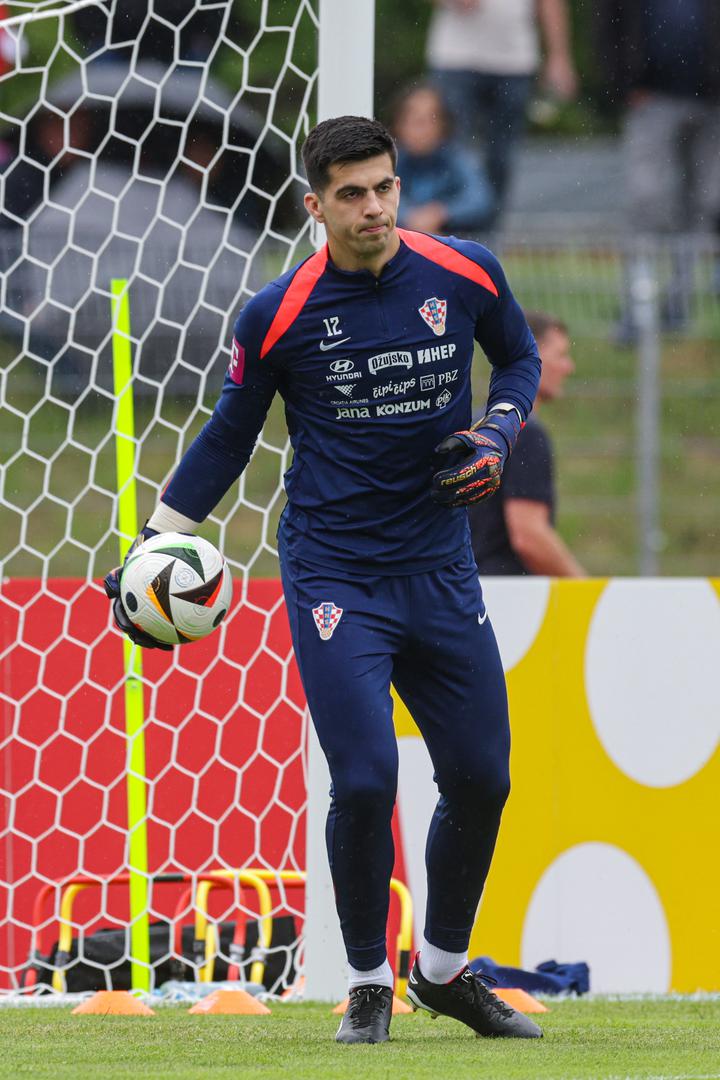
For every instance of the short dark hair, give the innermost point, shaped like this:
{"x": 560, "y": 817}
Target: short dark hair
{"x": 341, "y": 139}
{"x": 540, "y": 322}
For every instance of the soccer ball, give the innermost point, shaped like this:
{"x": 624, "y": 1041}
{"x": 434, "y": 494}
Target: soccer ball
{"x": 176, "y": 588}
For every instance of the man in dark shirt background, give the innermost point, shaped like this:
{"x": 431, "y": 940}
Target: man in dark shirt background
{"x": 514, "y": 532}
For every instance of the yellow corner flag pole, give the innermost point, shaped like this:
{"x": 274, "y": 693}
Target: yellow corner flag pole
{"x": 134, "y": 699}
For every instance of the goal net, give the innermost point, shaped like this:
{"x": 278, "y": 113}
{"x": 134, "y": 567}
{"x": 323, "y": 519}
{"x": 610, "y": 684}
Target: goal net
{"x": 151, "y": 830}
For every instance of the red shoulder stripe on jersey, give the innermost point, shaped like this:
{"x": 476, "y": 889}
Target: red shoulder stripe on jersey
{"x": 294, "y": 299}
{"x": 448, "y": 257}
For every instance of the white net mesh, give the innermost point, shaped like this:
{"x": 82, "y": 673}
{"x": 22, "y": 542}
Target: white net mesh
{"x": 157, "y": 143}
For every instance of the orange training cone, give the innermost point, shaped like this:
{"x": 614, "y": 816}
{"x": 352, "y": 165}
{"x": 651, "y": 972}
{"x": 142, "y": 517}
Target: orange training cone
{"x": 230, "y": 1003}
{"x": 113, "y": 1003}
{"x": 399, "y": 1007}
{"x": 521, "y": 1000}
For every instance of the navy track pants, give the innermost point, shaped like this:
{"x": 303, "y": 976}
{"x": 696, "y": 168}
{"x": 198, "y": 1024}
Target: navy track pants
{"x": 428, "y": 634}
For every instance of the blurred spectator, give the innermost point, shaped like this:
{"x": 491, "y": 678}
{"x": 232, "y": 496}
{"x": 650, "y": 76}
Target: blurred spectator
{"x": 660, "y": 62}
{"x": 144, "y": 121}
{"x": 514, "y": 532}
{"x": 483, "y": 55}
{"x": 443, "y": 185}
{"x": 114, "y": 179}
{"x": 186, "y": 259}
{"x": 54, "y": 145}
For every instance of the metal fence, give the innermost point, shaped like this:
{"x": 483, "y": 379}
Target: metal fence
{"x": 636, "y": 434}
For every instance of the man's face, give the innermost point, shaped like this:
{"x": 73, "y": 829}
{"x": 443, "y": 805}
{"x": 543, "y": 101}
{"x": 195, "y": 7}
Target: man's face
{"x": 420, "y": 128}
{"x": 557, "y": 363}
{"x": 359, "y": 208}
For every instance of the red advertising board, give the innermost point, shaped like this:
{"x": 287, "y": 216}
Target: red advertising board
{"x": 223, "y": 743}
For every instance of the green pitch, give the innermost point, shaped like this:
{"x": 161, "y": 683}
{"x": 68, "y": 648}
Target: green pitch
{"x": 665, "y": 1039}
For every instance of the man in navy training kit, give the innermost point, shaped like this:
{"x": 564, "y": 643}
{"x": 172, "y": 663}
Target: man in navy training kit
{"x": 370, "y": 343}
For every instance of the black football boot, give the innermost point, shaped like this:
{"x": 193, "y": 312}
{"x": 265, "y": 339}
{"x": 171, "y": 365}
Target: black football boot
{"x": 368, "y": 1015}
{"x": 468, "y": 1000}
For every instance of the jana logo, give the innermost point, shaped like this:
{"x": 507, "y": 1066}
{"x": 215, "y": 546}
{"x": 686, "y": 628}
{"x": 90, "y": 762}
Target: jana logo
{"x": 342, "y": 366}
{"x": 434, "y": 313}
{"x": 326, "y": 616}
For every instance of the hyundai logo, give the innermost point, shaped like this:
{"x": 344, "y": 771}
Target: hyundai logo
{"x": 342, "y": 365}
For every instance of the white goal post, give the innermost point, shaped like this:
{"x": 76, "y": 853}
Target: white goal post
{"x": 345, "y": 87}
{"x": 161, "y": 155}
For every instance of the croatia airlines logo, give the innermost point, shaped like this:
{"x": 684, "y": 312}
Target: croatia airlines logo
{"x": 434, "y": 313}
{"x": 326, "y": 616}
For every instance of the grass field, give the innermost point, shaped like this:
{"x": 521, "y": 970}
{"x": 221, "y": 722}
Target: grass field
{"x": 585, "y": 1039}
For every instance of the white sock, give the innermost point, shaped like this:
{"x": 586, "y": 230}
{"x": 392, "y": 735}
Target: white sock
{"x": 379, "y": 976}
{"x": 439, "y": 966}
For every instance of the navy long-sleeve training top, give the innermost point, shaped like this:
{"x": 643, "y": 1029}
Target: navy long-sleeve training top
{"x": 374, "y": 373}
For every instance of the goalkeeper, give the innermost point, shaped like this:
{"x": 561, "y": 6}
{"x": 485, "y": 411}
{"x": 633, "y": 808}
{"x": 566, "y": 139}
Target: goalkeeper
{"x": 370, "y": 344}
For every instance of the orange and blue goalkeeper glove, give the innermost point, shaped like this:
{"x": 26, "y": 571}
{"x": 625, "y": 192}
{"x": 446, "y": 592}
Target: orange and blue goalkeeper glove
{"x": 468, "y": 465}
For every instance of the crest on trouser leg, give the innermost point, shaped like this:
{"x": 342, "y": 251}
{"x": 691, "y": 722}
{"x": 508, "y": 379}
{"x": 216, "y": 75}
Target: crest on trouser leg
{"x": 327, "y": 616}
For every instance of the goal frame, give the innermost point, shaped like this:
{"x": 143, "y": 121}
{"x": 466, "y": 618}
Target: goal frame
{"x": 345, "y": 87}
{"x": 344, "y": 73}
